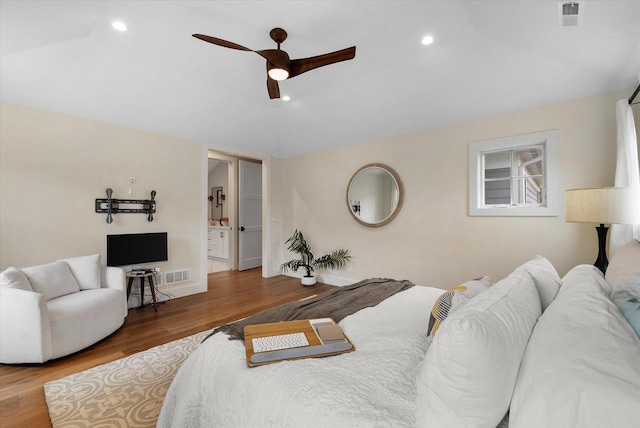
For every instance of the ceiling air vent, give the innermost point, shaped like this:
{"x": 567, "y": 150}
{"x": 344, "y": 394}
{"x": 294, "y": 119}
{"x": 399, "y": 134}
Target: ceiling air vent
{"x": 568, "y": 12}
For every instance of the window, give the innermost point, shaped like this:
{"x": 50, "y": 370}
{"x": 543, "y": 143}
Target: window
{"x": 514, "y": 176}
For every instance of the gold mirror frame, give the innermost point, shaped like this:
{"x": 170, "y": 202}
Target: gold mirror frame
{"x": 396, "y": 209}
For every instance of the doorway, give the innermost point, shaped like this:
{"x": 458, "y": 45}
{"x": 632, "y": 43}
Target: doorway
{"x": 241, "y": 209}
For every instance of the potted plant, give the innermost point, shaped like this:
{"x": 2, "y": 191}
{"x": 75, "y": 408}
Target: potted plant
{"x": 297, "y": 244}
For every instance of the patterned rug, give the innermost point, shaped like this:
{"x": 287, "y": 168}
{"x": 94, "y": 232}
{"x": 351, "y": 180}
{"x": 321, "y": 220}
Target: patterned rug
{"x": 125, "y": 393}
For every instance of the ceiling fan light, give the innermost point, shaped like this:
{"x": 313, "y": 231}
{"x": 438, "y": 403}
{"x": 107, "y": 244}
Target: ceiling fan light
{"x": 427, "y": 40}
{"x": 278, "y": 73}
{"x": 119, "y": 25}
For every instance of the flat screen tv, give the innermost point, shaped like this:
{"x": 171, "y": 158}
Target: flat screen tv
{"x": 136, "y": 248}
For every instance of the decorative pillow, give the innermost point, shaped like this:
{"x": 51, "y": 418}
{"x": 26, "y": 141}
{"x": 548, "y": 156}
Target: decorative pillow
{"x": 470, "y": 369}
{"x": 545, "y": 277}
{"x": 52, "y": 280}
{"x": 629, "y": 306}
{"x": 86, "y": 270}
{"x": 451, "y": 300}
{"x": 15, "y": 278}
{"x": 624, "y": 270}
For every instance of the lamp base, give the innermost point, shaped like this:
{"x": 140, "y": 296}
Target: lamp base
{"x": 601, "y": 262}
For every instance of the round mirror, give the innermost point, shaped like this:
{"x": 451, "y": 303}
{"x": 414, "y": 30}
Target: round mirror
{"x": 374, "y": 195}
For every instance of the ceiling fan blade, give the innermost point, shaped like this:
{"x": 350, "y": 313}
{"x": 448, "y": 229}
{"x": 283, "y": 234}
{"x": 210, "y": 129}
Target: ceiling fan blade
{"x": 299, "y": 66}
{"x": 277, "y": 57}
{"x": 220, "y": 42}
{"x": 273, "y": 88}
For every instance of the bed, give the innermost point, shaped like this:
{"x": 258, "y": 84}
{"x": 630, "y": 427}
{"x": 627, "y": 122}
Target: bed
{"x": 495, "y": 360}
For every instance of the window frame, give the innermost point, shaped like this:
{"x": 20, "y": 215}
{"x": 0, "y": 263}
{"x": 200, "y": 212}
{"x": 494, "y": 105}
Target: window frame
{"x": 478, "y": 149}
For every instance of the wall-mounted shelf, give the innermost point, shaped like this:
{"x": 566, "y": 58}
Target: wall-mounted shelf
{"x": 111, "y": 206}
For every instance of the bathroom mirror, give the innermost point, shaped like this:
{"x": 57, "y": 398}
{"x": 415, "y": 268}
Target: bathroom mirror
{"x": 374, "y": 195}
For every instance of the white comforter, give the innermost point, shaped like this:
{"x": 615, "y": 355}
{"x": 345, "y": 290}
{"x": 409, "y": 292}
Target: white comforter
{"x": 371, "y": 387}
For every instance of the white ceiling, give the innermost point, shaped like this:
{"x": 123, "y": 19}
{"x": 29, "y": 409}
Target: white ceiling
{"x": 489, "y": 57}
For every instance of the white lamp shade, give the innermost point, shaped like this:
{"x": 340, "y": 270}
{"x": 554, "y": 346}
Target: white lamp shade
{"x": 605, "y": 205}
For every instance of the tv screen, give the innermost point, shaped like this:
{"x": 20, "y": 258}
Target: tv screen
{"x": 135, "y": 248}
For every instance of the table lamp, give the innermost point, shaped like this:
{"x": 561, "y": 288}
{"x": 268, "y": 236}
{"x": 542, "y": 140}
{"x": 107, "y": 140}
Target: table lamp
{"x": 605, "y": 205}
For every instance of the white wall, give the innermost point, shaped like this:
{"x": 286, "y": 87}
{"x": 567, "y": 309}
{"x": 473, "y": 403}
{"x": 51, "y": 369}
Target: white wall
{"x": 433, "y": 241}
{"x": 636, "y": 117}
{"x": 54, "y": 166}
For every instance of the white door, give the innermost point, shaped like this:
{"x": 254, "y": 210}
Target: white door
{"x": 250, "y": 215}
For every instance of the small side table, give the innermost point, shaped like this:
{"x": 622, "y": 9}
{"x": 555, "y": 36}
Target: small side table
{"x": 143, "y": 276}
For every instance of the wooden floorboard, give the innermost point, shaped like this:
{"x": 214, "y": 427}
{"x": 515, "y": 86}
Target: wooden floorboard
{"x": 231, "y": 295}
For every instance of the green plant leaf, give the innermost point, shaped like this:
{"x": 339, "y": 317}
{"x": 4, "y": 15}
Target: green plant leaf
{"x": 336, "y": 260}
{"x": 297, "y": 244}
{"x": 292, "y": 265}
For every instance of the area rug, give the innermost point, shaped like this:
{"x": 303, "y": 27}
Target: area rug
{"x": 125, "y": 393}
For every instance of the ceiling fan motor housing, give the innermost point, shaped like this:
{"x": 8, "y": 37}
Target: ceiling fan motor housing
{"x": 278, "y": 35}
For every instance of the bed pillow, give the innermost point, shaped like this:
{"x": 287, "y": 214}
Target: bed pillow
{"x": 52, "y": 280}
{"x": 545, "y": 277}
{"x": 580, "y": 368}
{"x": 469, "y": 371}
{"x": 629, "y": 306}
{"x": 451, "y": 300}
{"x": 624, "y": 270}
{"x": 15, "y": 278}
{"x": 86, "y": 270}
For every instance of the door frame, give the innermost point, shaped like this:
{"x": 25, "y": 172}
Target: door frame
{"x": 267, "y": 260}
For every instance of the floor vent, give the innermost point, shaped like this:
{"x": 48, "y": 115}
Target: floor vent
{"x": 176, "y": 276}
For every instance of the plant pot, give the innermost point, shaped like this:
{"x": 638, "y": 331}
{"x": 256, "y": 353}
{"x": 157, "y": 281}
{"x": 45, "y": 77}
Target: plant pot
{"x": 308, "y": 281}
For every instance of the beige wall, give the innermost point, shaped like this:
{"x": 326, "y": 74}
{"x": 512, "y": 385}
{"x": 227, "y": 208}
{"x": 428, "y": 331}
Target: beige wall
{"x": 433, "y": 241}
{"x": 54, "y": 166}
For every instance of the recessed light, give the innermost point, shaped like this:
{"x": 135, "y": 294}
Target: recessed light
{"x": 427, "y": 40}
{"x": 286, "y": 98}
{"x": 119, "y": 25}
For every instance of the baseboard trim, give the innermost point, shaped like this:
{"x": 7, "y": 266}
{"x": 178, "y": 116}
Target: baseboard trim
{"x": 165, "y": 293}
{"x": 185, "y": 290}
{"x": 328, "y": 279}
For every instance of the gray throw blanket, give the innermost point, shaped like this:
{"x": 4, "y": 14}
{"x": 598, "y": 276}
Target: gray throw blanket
{"x": 336, "y": 304}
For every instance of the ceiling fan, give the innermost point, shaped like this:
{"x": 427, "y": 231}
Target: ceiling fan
{"x": 279, "y": 65}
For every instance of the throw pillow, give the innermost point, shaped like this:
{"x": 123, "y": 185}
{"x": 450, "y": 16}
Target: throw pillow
{"x": 470, "y": 369}
{"x": 52, "y": 280}
{"x": 624, "y": 270}
{"x": 86, "y": 270}
{"x": 451, "y": 300}
{"x": 629, "y": 306}
{"x": 545, "y": 277}
{"x": 15, "y": 278}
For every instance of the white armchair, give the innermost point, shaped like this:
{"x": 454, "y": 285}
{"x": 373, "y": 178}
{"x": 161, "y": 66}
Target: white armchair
{"x": 56, "y": 309}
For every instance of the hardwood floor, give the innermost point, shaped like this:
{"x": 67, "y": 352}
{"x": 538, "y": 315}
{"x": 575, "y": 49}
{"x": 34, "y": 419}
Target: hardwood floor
{"x": 231, "y": 295}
